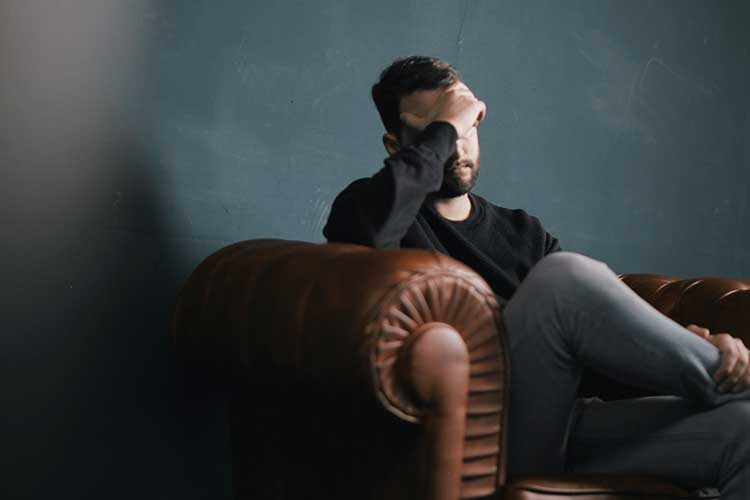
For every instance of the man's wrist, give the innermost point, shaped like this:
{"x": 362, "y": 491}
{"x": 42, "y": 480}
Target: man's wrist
{"x": 440, "y": 136}
{"x": 446, "y": 122}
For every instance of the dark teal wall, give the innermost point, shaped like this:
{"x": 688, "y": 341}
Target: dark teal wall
{"x": 620, "y": 124}
{"x": 138, "y": 137}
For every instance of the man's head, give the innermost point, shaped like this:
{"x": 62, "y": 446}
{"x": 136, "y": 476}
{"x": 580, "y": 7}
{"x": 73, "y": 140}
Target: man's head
{"x": 412, "y": 84}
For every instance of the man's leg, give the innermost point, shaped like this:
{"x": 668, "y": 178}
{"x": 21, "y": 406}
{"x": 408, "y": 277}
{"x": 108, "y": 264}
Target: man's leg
{"x": 572, "y": 311}
{"x": 667, "y": 436}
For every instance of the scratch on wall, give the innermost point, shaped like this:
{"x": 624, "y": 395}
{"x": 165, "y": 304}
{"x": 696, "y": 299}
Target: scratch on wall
{"x": 459, "y": 37}
{"x": 320, "y": 213}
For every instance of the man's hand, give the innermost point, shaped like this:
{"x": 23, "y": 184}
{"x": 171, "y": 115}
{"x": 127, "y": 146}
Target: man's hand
{"x": 455, "y": 104}
{"x": 734, "y": 372}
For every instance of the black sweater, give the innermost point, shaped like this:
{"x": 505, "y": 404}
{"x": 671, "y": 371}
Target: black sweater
{"x": 388, "y": 210}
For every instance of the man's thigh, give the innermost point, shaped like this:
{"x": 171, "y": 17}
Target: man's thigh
{"x": 666, "y": 436}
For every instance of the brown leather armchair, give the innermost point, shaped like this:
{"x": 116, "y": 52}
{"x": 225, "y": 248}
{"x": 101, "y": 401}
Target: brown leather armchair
{"x": 384, "y": 374}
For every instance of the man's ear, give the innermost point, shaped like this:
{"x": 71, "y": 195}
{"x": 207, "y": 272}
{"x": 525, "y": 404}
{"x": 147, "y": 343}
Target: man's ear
{"x": 391, "y": 143}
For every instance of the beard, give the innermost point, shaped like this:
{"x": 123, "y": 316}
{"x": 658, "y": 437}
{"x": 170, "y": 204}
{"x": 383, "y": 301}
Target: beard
{"x": 457, "y": 180}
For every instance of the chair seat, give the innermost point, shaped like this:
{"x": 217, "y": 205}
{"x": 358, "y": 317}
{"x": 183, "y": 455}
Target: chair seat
{"x": 600, "y": 487}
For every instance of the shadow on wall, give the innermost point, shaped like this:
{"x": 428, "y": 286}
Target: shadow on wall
{"x": 93, "y": 401}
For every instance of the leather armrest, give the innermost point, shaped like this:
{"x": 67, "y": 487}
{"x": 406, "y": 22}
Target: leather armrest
{"x": 272, "y": 306}
{"x": 348, "y": 324}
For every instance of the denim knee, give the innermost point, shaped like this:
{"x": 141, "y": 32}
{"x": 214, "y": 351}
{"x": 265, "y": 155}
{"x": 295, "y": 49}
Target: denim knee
{"x": 570, "y": 262}
{"x": 566, "y": 271}
{"x": 556, "y": 279}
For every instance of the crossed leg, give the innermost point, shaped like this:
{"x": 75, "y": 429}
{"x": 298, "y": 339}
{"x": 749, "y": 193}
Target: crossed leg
{"x": 666, "y": 436}
{"x": 572, "y": 311}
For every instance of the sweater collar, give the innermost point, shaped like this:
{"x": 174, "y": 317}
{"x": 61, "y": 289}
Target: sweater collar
{"x": 475, "y": 216}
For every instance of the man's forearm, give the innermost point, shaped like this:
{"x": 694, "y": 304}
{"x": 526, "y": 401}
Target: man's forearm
{"x": 378, "y": 211}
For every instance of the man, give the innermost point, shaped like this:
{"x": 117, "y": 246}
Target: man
{"x": 562, "y": 310}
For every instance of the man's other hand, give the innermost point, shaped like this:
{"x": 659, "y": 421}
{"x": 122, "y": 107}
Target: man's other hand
{"x": 733, "y": 373}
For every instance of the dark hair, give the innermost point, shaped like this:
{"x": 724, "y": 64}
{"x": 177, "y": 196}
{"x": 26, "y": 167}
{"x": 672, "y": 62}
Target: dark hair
{"x": 404, "y": 76}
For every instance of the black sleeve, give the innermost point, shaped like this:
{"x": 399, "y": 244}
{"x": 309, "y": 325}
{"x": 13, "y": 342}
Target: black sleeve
{"x": 551, "y": 244}
{"x": 377, "y": 211}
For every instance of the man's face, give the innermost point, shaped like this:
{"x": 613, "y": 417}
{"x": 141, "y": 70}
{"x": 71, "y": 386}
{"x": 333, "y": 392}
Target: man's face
{"x": 462, "y": 168}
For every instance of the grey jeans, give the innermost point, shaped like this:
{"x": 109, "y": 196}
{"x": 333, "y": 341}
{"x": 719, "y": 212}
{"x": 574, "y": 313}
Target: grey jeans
{"x": 572, "y": 311}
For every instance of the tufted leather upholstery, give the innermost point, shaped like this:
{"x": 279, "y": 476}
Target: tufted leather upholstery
{"x": 362, "y": 373}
